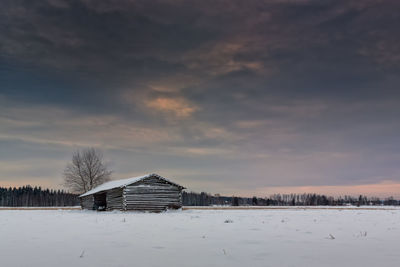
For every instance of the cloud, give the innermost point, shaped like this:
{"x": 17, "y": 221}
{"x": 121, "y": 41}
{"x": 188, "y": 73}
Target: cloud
{"x": 60, "y": 126}
{"x": 179, "y": 107}
{"x": 258, "y": 94}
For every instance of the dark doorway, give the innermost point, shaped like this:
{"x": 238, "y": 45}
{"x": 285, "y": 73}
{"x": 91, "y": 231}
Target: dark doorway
{"x": 100, "y": 201}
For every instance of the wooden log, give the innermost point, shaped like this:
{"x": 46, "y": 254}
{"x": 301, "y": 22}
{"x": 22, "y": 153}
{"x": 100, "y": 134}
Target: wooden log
{"x": 115, "y": 199}
{"x": 87, "y": 202}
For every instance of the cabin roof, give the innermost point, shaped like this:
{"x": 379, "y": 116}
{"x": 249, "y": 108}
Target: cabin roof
{"x": 124, "y": 182}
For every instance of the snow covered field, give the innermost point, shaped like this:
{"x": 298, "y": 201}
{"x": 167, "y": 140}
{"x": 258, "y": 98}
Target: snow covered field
{"x": 242, "y": 238}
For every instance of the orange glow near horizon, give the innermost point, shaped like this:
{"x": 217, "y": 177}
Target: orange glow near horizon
{"x": 381, "y": 190}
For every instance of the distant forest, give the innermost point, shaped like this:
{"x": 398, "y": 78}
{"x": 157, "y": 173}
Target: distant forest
{"x": 28, "y": 196}
{"x": 204, "y": 199}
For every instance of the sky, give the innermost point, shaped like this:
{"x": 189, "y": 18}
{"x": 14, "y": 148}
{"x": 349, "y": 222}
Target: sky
{"x": 232, "y": 97}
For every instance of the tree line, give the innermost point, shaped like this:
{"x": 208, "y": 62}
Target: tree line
{"x": 205, "y": 199}
{"x": 28, "y": 196}
{"x": 88, "y": 170}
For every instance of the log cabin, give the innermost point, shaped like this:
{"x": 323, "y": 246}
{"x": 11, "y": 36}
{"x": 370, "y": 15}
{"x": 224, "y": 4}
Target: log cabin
{"x": 150, "y": 192}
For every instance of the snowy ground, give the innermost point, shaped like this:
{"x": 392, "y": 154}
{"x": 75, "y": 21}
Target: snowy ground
{"x": 242, "y": 238}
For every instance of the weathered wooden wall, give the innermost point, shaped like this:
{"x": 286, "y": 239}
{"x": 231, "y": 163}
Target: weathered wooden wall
{"x": 152, "y": 194}
{"x": 87, "y": 202}
{"x": 114, "y": 199}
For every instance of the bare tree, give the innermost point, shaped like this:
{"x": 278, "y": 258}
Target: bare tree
{"x": 86, "y": 171}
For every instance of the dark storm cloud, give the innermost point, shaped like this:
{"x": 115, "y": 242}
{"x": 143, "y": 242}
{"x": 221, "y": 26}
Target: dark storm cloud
{"x": 217, "y": 91}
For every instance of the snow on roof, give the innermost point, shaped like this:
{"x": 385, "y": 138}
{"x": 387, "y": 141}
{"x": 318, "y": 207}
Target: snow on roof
{"x": 123, "y": 183}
